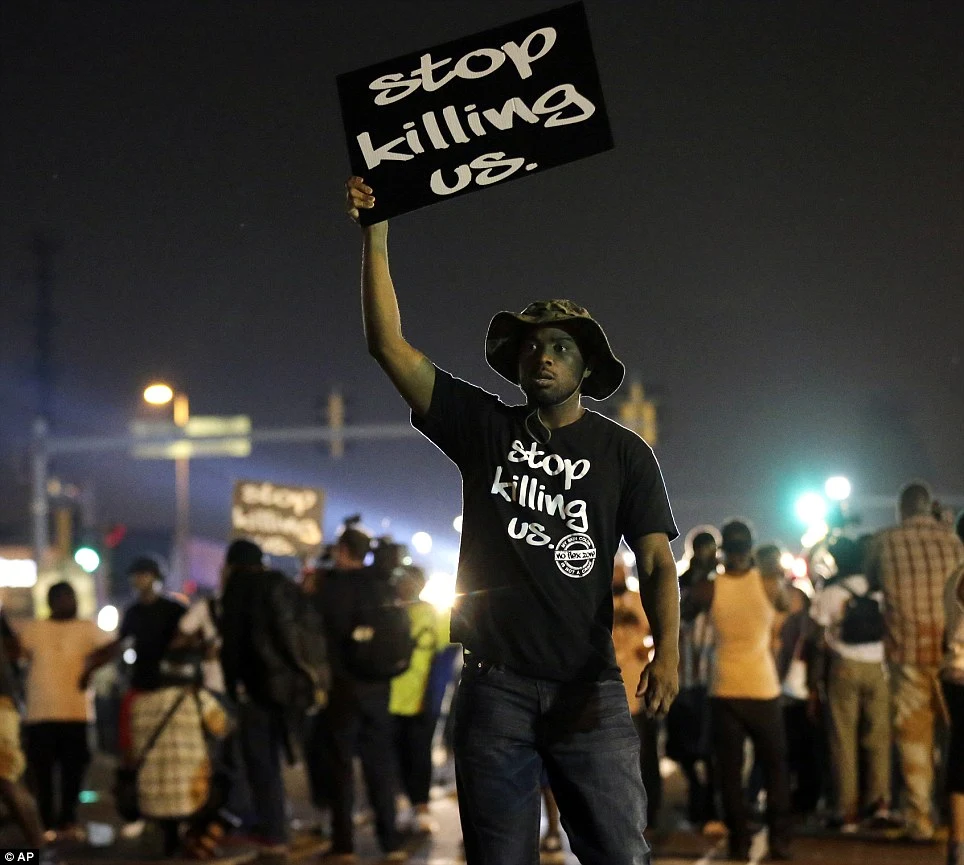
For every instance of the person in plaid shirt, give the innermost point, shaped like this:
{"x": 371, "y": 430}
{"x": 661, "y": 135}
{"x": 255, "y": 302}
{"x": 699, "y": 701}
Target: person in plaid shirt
{"x": 911, "y": 562}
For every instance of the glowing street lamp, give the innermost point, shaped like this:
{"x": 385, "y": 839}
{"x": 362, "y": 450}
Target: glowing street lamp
{"x": 158, "y": 394}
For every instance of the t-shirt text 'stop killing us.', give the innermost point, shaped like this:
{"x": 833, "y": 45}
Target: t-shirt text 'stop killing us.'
{"x": 541, "y": 525}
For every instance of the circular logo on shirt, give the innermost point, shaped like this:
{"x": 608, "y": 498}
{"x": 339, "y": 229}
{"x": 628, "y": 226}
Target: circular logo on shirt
{"x": 575, "y": 555}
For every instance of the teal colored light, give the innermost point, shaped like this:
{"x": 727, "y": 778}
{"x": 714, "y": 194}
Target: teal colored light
{"x": 87, "y": 558}
{"x": 89, "y": 797}
{"x": 811, "y": 508}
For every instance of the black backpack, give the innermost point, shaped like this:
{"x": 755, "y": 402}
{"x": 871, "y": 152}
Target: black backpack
{"x": 863, "y": 619}
{"x": 380, "y": 644}
{"x": 293, "y": 689}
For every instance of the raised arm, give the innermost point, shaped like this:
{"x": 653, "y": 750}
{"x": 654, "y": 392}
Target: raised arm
{"x": 410, "y": 371}
{"x": 659, "y": 592}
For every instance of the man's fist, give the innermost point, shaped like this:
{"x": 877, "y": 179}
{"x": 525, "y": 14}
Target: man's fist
{"x": 358, "y": 196}
{"x": 658, "y": 686}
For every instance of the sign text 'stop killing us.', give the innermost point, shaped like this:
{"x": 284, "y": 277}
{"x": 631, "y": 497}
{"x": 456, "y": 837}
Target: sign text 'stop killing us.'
{"x": 468, "y": 114}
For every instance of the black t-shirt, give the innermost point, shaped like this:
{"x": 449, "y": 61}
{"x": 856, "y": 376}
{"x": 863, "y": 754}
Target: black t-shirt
{"x": 152, "y": 627}
{"x": 541, "y": 525}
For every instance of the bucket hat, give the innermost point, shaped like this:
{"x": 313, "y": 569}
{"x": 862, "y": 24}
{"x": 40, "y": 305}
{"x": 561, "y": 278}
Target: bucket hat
{"x": 507, "y": 329}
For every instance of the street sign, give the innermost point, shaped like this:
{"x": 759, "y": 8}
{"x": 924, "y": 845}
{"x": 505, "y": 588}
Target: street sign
{"x": 226, "y": 437}
{"x": 283, "y": 520}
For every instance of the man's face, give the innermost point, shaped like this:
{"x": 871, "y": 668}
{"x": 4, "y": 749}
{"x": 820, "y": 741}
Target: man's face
{"x": 143, "y": 582}
{"x": 705, "y": 556}
{"x": 551, "y": 366}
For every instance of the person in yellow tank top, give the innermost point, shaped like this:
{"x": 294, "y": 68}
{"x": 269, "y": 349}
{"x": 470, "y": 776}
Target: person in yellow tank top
{"x": 745, "y": 691}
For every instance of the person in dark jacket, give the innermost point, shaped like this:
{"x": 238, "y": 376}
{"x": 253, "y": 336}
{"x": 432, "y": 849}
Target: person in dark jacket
{"x": 263, "y": 670}
{"x": 357, "y": 718}
{"x": 798, "y": 670}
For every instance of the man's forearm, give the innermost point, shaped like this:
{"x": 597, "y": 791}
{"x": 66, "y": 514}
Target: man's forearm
{"x": 660, "y": 596}
{"x": 379, "y": 303}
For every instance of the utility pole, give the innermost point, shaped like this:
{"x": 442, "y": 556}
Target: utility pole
{"x": 336, "y": 423}
{"x": 44, "y": 246}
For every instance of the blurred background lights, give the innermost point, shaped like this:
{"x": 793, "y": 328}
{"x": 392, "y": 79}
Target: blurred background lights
{"x": 422, "y": 542}
{"x": 439, "y": 590}
{"x": 811, "y": 508}
{"x": 837, "y": 488}
{"x": 814, "y": 534}
{"x": 787, "y": 561}
{"x": 457, "y": 524}
{"x": 798, "y": 567}
{"x": 18, "y": 573}
{"x": 129, "y": 656}
{"x": 632, "y": 583}
{"x": 108, "y": 618}
{"x": 88, "y": 559}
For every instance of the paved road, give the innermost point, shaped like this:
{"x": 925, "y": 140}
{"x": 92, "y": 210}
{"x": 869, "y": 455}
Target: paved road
{"x": 673, "y": 848}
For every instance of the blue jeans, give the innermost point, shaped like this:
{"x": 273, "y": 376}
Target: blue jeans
{"x": 261, "y": 734}
{"x": 507, "y": 727}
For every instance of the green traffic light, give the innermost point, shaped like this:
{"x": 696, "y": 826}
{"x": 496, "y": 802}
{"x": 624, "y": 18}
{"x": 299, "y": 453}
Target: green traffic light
{"x": 811, "y": 508}
{"x": 88, "y": 558}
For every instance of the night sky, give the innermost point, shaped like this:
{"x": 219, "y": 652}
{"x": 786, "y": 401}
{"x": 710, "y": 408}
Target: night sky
{"x": 774, "y": 246}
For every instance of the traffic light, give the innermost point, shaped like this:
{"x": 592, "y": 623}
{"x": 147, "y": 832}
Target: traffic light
{"x": 88, "y": 558}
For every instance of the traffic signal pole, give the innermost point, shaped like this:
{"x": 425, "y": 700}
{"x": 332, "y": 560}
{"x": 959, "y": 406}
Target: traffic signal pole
{"x": 39, "y": 504}
{"x": 44, "y": 446}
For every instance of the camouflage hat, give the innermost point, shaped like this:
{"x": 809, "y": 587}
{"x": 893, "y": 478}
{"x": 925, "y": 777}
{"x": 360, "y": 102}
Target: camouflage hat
{"x": 507, "y": 329}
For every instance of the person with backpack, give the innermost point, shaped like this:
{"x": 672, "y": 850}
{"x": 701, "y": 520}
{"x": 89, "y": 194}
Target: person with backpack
{"x": 848, "y": 609}
{"x": 272, "y": 665}
{"x": 369, "y": 642}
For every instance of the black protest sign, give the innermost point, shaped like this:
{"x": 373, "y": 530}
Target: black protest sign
{"x": 283, "y": 520}
{"x": 485, "y": 109}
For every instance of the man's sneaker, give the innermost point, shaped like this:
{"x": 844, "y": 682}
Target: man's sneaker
{"x": 883, "y": 820}
{"x": 714, "y": 829}
{"x": 849, "y": 828}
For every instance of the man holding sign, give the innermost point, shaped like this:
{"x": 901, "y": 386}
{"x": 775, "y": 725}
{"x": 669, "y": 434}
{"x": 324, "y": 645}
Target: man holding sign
{"x": 549, "y": 488}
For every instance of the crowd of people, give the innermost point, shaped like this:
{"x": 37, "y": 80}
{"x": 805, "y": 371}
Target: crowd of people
{"x": 830, "y": 676}
{"x": 222, "y": 691}
{"x": 848, "y": 683}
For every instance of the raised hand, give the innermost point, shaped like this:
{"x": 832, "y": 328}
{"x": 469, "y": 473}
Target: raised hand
{"x": 358, "y": 196}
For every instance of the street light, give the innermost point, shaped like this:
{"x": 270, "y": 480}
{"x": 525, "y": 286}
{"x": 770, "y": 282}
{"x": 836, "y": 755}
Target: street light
{"x": 837, "y": 488}
{"x": 422, "y": 541}
{"x": 160, "y": 393}
{"x": 811, "y": 508}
